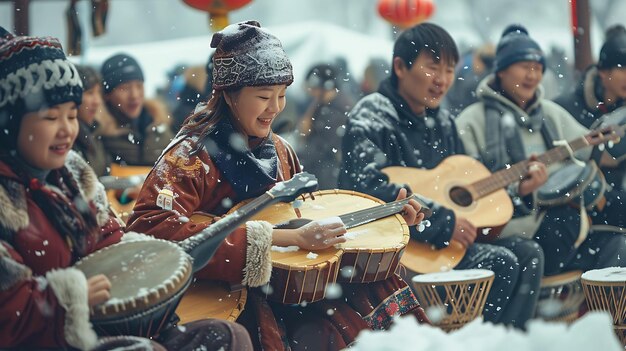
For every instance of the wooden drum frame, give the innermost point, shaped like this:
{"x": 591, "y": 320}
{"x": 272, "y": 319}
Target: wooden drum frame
{"x": 461, "y": 294}
{"x": 605, "y": 290}
{"x": 560, "y": 297}
{"x": 371, "y": 255}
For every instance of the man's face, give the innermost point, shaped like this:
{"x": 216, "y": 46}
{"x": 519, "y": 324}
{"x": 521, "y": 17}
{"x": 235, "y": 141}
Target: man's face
{"x": 426, "y": 83}
{"x": 521, "y": 80}
{"x": 614, "y": 81}
{"x": 128, "y": 97}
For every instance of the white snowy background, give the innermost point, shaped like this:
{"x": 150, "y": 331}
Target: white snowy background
{"x": 165, "y": 33}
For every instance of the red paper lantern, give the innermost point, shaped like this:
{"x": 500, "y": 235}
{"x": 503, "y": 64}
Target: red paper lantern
{"x": 405, "y": 13}
{"x": 218, "y": 10}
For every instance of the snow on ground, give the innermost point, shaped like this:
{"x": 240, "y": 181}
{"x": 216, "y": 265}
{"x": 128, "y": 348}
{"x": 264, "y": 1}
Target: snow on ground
{"x": 594, "y": 331}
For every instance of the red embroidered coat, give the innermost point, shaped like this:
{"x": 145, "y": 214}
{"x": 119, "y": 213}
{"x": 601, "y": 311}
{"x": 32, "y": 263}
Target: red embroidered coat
{"x": 180, "y": 186}
{"x": 43, "y": 300}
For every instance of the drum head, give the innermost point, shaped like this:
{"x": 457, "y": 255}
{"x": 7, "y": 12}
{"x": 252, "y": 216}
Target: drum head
{"x": 606, "y": 275}
{"x": 142, "y": 274}
{"x": 566, "y": 180}
{"x": 453, "y": 276}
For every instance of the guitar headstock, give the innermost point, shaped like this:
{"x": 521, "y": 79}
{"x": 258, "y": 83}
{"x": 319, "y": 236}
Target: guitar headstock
{"x": 290, "y": 189}
{"x": 602, "y": 135}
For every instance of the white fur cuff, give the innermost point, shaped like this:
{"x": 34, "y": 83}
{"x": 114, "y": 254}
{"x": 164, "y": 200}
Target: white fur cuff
{"x": 70, "y": 287}
{"x": 134, "y": 236}
{"x": 258, "y": 269}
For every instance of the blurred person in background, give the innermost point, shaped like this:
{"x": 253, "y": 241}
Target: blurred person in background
{"x": 601, "y": 91}
{"x": 473, "y": 67}
{"x": 88, "y": 144}
{"x": 323, "y": 125}
{"x": 134, "y": 130}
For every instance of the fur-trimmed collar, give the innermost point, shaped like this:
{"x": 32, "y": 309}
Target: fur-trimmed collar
{"x": 13, "y": 205}
{"x": 109, "y": 125}
{"x": 589, "y": 88}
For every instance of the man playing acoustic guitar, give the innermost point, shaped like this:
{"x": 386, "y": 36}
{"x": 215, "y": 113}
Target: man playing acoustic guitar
{"x": 514, "y": 119}
{"x": 402, "y": 125}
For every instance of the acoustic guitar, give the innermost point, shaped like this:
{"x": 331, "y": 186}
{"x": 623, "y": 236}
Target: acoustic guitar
{"x": 467, "y": 187}
{"x": 377, "y": 236}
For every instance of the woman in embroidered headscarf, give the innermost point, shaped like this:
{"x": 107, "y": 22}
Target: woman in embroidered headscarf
{"x": 227, "y": 153}
{"x": 53, "y": 212}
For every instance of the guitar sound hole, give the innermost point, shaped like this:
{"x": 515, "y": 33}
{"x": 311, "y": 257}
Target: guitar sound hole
{"x": 461, "y": 196}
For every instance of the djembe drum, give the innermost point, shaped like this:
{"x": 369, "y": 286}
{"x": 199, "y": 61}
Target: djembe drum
{"x": 460, "y": 295}
{"x": 148, "y": 278}
{"x": 605, "y": 290}
{"x": 560, "y": 297}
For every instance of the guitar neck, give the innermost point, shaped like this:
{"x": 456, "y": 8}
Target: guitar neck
{"x": 517, "y": 172}
{"x": 357, "y": 218}
{"x": 203, "y": 245}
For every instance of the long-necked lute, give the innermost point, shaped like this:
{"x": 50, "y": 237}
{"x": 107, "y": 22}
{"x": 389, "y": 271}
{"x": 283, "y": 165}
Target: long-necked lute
{"x": 148, "y": 277}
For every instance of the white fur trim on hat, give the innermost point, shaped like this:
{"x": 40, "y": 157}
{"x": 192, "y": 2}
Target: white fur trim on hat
{"x": 70, "y": 287}
{"x": 258, "y": 269}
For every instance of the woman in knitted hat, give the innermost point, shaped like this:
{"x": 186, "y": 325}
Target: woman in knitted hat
{"x": 53, "y": 211}
{"x": 227, "y": 153}
{"x": 512, "y": 122}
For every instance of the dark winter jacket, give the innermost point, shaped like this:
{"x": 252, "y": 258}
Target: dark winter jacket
{"x": 320, "y": 150}
{"x": 584, "y": 103}
{"x": 381, "y": 132}
{"x": 140, "y": 141}
{"x": 43, "y": 299}
{"x": 584, "y": 100}
{"x": 194, "y": 183}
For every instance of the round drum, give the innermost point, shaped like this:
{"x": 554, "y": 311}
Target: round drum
{"x": 147, "y": 278}
{"x": 570, "y": 182}
{"x": 453, "y": 298}
{"x": 605, "y": 290}
{"x": 560, "y": 297}
{"x": 371, "y": 253}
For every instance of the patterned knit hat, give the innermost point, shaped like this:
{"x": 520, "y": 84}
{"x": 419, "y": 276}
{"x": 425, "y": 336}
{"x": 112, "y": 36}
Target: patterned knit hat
{"x": 34, "y": 75}
{"x": 515, "y": 46}
{"x": 246, "y": 55}
{"x": 119, "y": 69}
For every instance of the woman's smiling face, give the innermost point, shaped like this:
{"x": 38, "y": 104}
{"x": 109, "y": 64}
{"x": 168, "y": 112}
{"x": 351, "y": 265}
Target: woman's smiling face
{"x": 255, "y": 108}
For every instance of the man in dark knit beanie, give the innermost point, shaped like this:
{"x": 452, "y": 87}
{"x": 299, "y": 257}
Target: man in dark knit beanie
{"x": 134, "y": 130}
{"x": 119, "y": 69}
{"x": 516, "y": 46}
{"x": 512, "y": 124}
{"x": 600, "y": 96}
